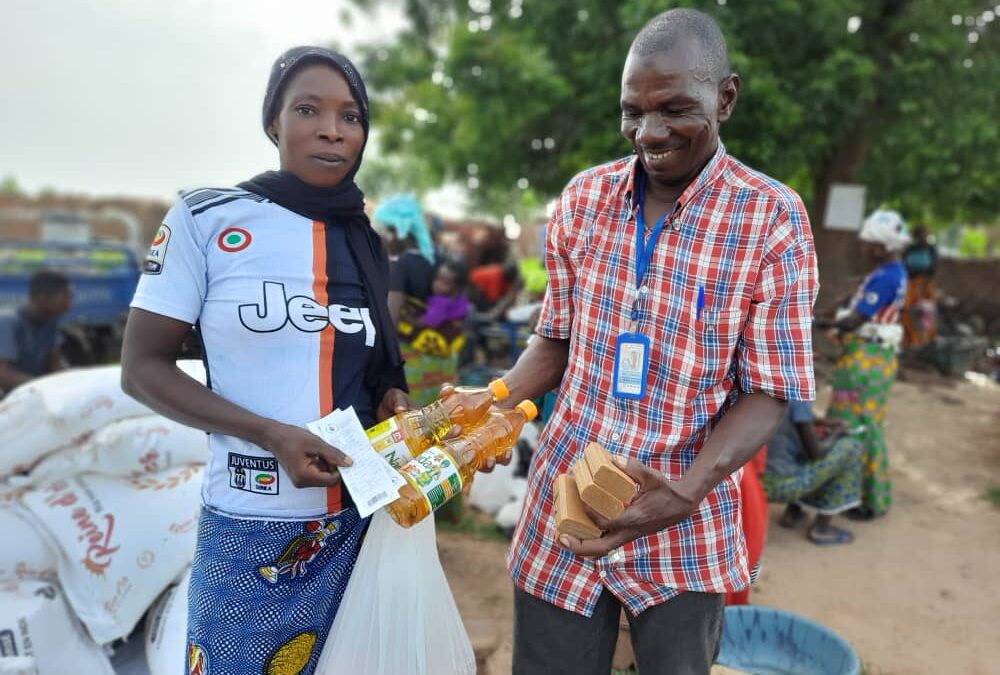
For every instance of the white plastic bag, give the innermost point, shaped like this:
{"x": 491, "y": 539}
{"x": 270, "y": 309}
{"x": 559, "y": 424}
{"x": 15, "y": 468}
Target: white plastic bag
{"x": 120, "y": 541}
{"x": 64, "y": 409}
{"x": 166, "y": 629}
{"x": 398, "y": 614}
{"x": 36, "y": 624}
{"x": 27, "y": 554}
{"x": 129, "y": 447}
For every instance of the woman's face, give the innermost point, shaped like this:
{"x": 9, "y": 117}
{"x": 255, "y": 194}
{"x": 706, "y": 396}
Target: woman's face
{"x": 873, "y": 251}
{"x": 444, "y": 282}
{"x": 318, "y": 127}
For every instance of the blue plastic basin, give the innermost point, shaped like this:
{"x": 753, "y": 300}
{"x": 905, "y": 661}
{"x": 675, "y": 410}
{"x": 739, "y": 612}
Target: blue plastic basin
{"x": 768, "y": 641}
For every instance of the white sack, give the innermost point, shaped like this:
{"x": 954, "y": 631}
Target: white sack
{"x": 120, "y": 541}
{"x": 26, "y": 554}
{"x": 64, "y": 409}
{"x": 129, "y": 447}
{"x": 36, "y": 623}
{"x": 509, "y": 514}
{"x": 490, "y": 491}
{"x": 18, "y": 665}
{"x": 166, "y": 629}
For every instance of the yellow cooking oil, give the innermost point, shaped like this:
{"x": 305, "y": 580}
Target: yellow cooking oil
{"x": 404, "y": 436}
{"x": 441, "y": 471}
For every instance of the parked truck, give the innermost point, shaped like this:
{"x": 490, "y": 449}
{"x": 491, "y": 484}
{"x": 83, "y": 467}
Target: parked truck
{"x": 103, "y": 276}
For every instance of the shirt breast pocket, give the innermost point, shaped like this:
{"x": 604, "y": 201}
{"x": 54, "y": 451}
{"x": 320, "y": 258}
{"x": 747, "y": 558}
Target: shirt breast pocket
{"x": 718, "y": 333}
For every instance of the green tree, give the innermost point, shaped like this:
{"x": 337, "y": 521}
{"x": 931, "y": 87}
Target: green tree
{"x": 9, "y": 187}
{"x": 515, "y": 96}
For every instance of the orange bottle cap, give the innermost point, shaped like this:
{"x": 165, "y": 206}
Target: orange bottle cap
{"x": 498, "y": 389}
{"x": 529, "y": 409}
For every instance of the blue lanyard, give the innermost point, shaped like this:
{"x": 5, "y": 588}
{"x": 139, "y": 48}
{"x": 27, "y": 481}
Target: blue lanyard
{"x": 644, "y": 250}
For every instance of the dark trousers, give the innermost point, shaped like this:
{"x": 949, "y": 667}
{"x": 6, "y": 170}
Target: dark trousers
{"x": 679, "y": 637}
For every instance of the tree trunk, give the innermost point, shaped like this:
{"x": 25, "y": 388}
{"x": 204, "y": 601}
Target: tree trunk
{"x": 839, "y": 262}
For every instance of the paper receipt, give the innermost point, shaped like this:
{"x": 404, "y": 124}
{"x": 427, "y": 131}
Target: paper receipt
{"x": 372, "y": 482}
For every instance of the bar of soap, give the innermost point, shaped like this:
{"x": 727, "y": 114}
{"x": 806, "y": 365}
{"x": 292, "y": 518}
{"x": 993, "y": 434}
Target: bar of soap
{"x": 593, "y": 495}
{"x": 607, "y": 474}
{"x": 571, "y": 518}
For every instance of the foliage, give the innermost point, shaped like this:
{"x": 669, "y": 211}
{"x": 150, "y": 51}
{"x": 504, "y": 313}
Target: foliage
{"x": 9, "y": 187}
{"x": 491, "y": 93}
{"x": 992, "y": 495}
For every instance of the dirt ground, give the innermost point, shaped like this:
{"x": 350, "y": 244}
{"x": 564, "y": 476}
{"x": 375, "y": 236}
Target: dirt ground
{"x": 917, "y": 592}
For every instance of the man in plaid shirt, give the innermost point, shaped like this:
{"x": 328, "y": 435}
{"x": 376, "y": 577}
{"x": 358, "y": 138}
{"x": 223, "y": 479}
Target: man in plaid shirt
{"x": 677, "y": 325}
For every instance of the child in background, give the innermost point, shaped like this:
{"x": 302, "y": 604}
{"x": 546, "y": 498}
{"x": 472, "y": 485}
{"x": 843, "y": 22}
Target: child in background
{"x": 444, "y": 325}
{"x": 448, "y": 306}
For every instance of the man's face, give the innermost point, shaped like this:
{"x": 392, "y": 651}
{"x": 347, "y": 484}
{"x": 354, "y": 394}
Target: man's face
{"x": 672, "y": 107}
{"x": 318, "y": 127}
{"x": 54, "y": 305}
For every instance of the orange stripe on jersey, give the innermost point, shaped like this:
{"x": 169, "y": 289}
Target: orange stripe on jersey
{"x": 326, "y": 340}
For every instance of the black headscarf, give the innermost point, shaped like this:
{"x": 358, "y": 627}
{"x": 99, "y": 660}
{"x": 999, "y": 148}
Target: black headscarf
{"x": 340, "y": 206}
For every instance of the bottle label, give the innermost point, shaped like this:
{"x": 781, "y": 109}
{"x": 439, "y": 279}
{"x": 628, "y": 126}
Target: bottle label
{"x": 435, "y": 473}
{"x": 387, "y": 439}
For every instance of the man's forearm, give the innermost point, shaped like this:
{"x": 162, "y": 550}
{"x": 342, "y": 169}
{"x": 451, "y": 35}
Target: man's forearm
{"x": 539, "y": 369}
{"x": 737, "y": 438}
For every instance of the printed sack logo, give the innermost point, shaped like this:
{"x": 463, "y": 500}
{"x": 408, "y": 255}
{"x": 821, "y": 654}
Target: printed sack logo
{"x": 234, "y": 239}
{"x": 158, "y": 251}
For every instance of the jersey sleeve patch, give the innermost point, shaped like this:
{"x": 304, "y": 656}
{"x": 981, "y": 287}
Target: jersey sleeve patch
{"x": 158, "y": 251}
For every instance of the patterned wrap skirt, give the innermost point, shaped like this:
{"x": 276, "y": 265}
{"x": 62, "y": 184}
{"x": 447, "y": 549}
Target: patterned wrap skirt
{"x": 264, "y": 593}
{"x": 861, "y": 382}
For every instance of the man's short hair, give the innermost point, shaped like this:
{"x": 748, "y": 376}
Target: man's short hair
{"x": 668, "y": 29}
{"x": 47, "y": 282}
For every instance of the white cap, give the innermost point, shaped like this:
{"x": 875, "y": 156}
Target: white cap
{"x": 887, "y": 228}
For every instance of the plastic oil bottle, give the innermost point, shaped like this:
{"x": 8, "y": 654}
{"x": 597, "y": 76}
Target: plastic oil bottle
{"x": 404, "y": 436}
{"x": 440, "y": 472}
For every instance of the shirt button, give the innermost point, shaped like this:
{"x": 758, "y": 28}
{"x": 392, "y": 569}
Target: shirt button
{"x": 644, "y": 290}
{"x": 616, "y": 436}
{"x": 602, "y": 574}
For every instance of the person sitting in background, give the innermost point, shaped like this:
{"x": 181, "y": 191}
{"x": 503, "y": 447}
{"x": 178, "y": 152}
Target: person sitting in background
{"x": 495, "y": 287}
{"x": 920, "y": 259}
{"x": 435, "y": 328}
{"x": 411, "y": 278}
{"x": 29, "y": 335}
{"x": 448, "y": 305}
{"x": 813, "y": 463}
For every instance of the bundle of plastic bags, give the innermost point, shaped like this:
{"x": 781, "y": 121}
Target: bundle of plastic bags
{"x": 398, "y": 614}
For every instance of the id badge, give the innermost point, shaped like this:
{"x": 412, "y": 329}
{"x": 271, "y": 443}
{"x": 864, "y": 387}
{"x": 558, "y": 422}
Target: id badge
{"x": 631, "y": 366}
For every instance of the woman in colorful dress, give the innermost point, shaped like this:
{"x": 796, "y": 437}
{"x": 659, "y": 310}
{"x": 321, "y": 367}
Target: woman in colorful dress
{"x": 868, "y": 328}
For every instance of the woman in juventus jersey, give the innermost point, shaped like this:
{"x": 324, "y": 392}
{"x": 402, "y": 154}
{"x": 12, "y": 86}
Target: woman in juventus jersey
{"x": 286, "y": 283}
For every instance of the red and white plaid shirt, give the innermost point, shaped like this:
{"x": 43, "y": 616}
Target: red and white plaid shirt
{"x": 745, "y": 239}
